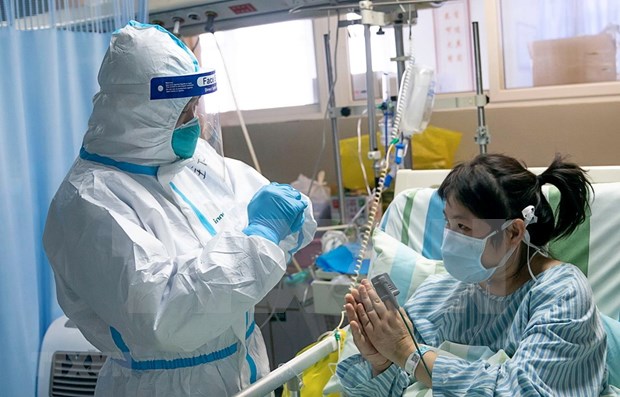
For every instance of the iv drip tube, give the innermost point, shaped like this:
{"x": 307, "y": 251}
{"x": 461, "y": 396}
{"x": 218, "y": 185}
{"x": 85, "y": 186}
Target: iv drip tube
{"x": 244, "y": 128}
{"x": 403, "y": 93}
{"x": 374, "y": 205}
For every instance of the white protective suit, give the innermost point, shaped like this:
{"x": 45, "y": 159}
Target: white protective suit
{"x": 148, "y": 252}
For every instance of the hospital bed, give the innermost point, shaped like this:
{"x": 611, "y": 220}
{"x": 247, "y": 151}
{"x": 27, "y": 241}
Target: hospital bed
{"x": 415, "y": 219}
{"x": 593, "y": 247}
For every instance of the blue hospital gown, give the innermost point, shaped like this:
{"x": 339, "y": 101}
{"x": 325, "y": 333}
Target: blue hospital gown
{"x": 550, "y": 328}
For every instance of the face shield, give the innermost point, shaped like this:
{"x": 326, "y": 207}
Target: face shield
{"x": 202, "y": 89}
{"x": 208, "y": 115}
{"x": 199, "y": 118}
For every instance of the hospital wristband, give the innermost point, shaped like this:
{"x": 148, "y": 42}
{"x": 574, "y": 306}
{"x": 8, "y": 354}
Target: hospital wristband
{"x": 414, "y": 359}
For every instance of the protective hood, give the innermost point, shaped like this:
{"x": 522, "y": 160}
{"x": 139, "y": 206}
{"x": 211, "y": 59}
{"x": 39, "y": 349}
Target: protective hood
{"x": 126, "y": 124}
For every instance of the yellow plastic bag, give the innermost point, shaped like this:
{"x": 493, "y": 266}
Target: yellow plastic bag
{"x": 315, "y": 377}
{"x": 352, "y": 175}
{"x": 434, "y": 148}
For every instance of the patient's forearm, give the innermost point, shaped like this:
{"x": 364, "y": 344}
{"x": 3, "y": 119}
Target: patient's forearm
{"x": 378, "y": 369}
{"x": 420, "y": 372}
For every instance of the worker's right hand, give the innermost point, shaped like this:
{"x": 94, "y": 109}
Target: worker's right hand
{"x": 378, "y": 362}
{"x": 275, "y": 211}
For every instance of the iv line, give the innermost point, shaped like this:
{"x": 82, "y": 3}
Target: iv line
{"x": 374, "y": 204}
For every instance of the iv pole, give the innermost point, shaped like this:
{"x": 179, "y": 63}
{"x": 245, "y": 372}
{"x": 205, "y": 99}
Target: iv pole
{"x": 482, "y": 134}
{"x": 374, "y": 18}
{"x": 369, "y": 18}
{"x": 373, "y": 153}
{"x": 400, "y": 70}
{"x": 334, "y": 122}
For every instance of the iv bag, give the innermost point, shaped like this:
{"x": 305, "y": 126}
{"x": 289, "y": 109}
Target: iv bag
{"x": 418, "y": 98}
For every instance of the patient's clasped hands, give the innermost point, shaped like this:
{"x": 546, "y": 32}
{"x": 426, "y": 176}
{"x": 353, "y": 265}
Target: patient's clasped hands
{"x": 378, "y": 329}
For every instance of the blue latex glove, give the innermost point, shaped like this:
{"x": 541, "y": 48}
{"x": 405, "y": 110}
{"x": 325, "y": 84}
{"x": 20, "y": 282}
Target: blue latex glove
{"x": 274, "y": 212}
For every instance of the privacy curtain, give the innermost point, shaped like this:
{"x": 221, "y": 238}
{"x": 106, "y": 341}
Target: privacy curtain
{"x": 50, "y": 52}
{"x": 568, "y": 18}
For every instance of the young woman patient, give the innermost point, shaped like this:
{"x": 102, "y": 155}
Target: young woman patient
{"x": 502, "y": 291}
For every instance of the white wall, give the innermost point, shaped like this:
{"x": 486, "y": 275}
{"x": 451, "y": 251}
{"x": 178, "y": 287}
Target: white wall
{"x": 588, "y": 132}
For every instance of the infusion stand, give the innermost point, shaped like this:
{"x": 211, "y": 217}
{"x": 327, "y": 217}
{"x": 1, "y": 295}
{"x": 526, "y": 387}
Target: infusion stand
{"x": 400, "y": 69}
{"x": 374, "y": 154}
{"x": 334, "y": 122}
{"x": 369, "y": 18}
{"x": 482, "y": 133}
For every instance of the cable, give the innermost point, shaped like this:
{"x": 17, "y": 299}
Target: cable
{"x": 387, "y": 292}
{"x": 274, "y": 308}
{"x": 329, "y": 96}
{"x": 244, "y": 128}
{"x": 352, "y": 224}
{"x": 197, "y": 43}
{"x": 374, "y": 204}
{"x": 403, "y": 93}
{"x": 359, "y": 151}
{"x": 417, "y": 347}
{"x": 338, "y": 334}
{"x": 341, "y": 320}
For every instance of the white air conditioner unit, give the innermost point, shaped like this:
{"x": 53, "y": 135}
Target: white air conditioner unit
{"x": 68, "y": 364}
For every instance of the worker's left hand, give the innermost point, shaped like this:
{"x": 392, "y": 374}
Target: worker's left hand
{"x": 384, "y": 326}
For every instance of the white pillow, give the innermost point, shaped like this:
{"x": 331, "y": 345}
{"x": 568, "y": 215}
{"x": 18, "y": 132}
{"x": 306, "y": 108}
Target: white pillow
{"x": 407, "y": 268}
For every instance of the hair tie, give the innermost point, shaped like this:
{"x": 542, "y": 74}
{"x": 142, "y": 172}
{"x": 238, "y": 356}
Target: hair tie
{"x": 540, "y": 180}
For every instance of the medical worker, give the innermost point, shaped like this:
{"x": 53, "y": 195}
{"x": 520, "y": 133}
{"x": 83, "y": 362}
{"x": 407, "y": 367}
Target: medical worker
{"x": 161, "y": 247}
{"x": 502, "y": 291}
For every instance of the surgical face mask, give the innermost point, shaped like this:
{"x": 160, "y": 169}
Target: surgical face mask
{"x": 185, "y": 138}
{"x": 462, "y": 256}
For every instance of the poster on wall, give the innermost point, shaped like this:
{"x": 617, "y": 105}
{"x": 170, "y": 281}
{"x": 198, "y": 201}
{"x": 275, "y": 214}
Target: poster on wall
{"x": 453, "y": 47}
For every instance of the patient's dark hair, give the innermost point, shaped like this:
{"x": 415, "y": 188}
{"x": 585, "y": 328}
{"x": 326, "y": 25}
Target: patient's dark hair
{"x": 497, "y": 187}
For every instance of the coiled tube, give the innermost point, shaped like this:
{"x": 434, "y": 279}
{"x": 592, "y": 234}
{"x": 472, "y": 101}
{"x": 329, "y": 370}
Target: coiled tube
{"x": 372, "y": 212}
{"x": 404, "y": 100}
{"x": 400, "y": 105}
{"x": 415, "y": 101}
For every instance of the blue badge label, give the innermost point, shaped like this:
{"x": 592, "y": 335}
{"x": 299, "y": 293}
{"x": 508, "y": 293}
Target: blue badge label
{"x": 183, "y": 86}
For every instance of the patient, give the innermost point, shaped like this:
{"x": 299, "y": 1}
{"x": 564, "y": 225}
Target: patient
{"x": 503, "y": 291}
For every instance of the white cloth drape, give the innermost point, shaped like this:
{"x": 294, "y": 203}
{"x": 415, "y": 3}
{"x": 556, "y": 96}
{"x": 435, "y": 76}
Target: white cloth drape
{"x": 568, "y": 18}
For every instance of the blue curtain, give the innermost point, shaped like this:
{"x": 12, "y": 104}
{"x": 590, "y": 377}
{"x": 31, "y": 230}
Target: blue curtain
{"x": 48, "y": 69}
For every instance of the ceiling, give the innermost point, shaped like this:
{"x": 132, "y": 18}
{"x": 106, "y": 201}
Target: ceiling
{"x": 230, "y": 14}
{"x": 197, "y": 16}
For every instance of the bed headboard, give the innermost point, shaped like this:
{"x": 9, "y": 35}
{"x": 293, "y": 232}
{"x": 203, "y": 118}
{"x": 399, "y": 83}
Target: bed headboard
{"x": 415, "y": 218}
{"x": 406, "y": 179}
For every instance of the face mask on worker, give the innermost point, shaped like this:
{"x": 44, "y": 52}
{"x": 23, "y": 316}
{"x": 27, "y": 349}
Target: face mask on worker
{"x": 185, "y": 138}
{"x": 462, "y": 255}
